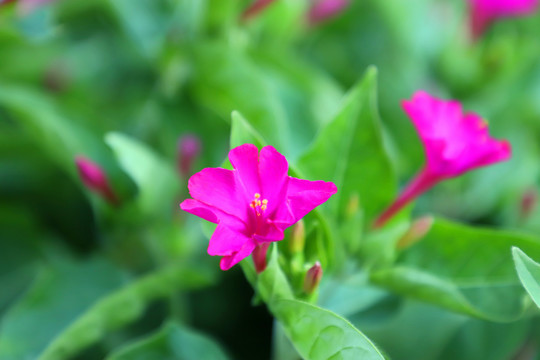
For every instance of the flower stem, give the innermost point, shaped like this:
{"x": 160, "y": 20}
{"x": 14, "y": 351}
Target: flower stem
{"x": 420, "y": 184}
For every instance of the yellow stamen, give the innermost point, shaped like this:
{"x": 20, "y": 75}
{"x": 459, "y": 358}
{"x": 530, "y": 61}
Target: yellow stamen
{"x": 265, "y": 202}
{"x": 263, "y": 207}
{"x": 257, "y": 195}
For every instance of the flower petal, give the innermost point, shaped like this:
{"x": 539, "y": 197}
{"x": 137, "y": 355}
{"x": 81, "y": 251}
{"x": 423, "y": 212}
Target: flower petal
{"x": 305, "y": 195}
{"x": 245, "y": 161}
{"x": 228, "y": 261}
{"x": 212, "y": 214}
{"x": 226, "y": 241}
{"x": 273, "y": 168}
{"x": 217, "y": 187}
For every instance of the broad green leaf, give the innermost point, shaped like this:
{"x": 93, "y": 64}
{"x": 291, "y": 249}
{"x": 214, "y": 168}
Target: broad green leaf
{"x": 121, "y": 307}
{"x": 272, "y": 283}
{"x": 350, "y": 152}
{"x": 528, "y": 271}
{"x": 157, "y": 182}
{"x": 319, "y": 334}
{"x": 464, "y": 269}
{"x": 172, "y": 341}
{"x": 60, "y": 293}
{"x": 243, "y": 133}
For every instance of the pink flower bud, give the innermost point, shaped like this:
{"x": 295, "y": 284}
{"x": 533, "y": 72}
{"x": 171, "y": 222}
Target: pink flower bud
{"x": 189, "y": 147}
{"x": 324, "y": 9}
{"x": 94, "y": 178}
{"x": 313, "y": 278}
{"x": 259, "y": 256}
{"x": 255, "y": 8}
{"x": 529, "y": 201}
{"x": 419, "y": 228}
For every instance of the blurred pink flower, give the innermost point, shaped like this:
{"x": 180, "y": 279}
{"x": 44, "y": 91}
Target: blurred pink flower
{"x": 484, "y": 12}
{"x": 453, "y": 142}
{"x": 93, "y": 176}
{"x": 324, "y": 9}
{"x": 251, "y": 204}
{"x": 189, "y": 147}
{"x": 26, "y": 6}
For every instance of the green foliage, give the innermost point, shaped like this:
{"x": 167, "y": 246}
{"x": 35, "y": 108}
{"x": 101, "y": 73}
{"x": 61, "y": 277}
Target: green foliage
{"x": 529, "y": 273}
{"x": 172, "y": 341}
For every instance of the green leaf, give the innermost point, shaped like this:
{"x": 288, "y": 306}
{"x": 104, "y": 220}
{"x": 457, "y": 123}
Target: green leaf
{"x": 243, "y": 133}
{"x": 464, "y": 269}
{"x": 60, "y": 293}
{"x": 350, "y": 152}
{"x": 122, "y": 307}
{"x": 529, "y": 273}
{"x": 172, "y": 341}
{"x": 319, "y": 334}
{"x": 156, "y": 179}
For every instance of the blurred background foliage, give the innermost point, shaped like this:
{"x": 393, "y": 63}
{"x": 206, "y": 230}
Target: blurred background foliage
{"x": 121, "y": 81}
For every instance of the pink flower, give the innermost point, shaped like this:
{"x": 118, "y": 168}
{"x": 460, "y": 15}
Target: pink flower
{"x": 323, "y": 9}
{"x": 484, "y": 12}
{"x": 95, "y": 179}
{"x": 251, "y": 204}
{"x": 453, "y": 142}
{"x": 313, "y": 278}
{"x": 26, "y": 6}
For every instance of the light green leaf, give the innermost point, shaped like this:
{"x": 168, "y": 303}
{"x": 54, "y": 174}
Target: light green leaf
{"x": 319, "y": 334}
{"x": 172, "y": 341}
{"x": 243, "y": 133}
{"x": 464, "y": 269}
{"x": 529, "y": 273}
{"x": 156, "y": 179}
{"x": 350, "y": 152}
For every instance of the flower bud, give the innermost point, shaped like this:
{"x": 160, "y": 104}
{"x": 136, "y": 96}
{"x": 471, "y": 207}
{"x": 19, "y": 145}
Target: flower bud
{"x": 189, "y": 147}
{"x": 529, "y": 201}
{"x": 255, "y": 8}
{"x": 259, "y": 257}
{"x": 313, "y": 278}
{"x": 419, "y": 228}
{"x": 298, "y": 237}
{"x": 325, "y": 9}
{"x": 94, "y": 178}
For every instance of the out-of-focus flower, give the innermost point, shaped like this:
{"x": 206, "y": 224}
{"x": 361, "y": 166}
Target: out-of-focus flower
{"x": 324, "y": 9}
{"x": 189, "y": 148}
{"x": 93, "y": 176}
{"x": 313, "y": 278}
{"x": 484, "y": 12}
{"x": 454, "y": 142}
{"x": 26, "y": 6}
{"x": 529, "y": 201}
{"x": 255, "y": 8}
{"x": 419, "y": 228}
{"x": 251, "y": 204}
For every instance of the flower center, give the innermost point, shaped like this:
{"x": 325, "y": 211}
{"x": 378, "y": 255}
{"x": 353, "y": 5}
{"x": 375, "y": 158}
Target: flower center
{"x": 258, "y": 205}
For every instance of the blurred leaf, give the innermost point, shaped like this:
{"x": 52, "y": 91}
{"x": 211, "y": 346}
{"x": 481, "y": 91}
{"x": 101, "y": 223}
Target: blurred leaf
{"x": 157, "y": 181}
{"x": 529, "y": 273}
{"x": 272, "y": 283}
{"x": 60, "y": 293}
{"x": 243, "y": 133}
{"x": 464, "y": 269}
{"x": 319, "y": 334}
{"x": 172, "y": 341}
{"x": 350, "y": 152}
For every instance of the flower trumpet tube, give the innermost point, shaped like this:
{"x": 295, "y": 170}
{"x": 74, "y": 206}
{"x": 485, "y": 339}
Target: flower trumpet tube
{"x": 253, "y": 204}
{"x": 454, "y": 143}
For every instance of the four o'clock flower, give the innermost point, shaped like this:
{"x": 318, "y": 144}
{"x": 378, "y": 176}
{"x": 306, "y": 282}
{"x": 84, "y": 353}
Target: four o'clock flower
{"x": 26, "y": 6}
{"x": 93, "y": 176}
{"x": 251, "y": 204}
{"x": 454, "y": 142}
{"x": 255, "y": 8}
{"x": 189, "y": 147}
{"x": 484, "y": 12}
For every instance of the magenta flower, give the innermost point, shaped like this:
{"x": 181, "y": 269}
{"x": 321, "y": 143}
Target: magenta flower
{"x": 251, "y": 204}
{"x": 93, "y": 176}
{"x": 453, "y": 142}
{"x": 26, "y": 6}
{"x": 323, "y": 9}
{"x": 484, "y": 12}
